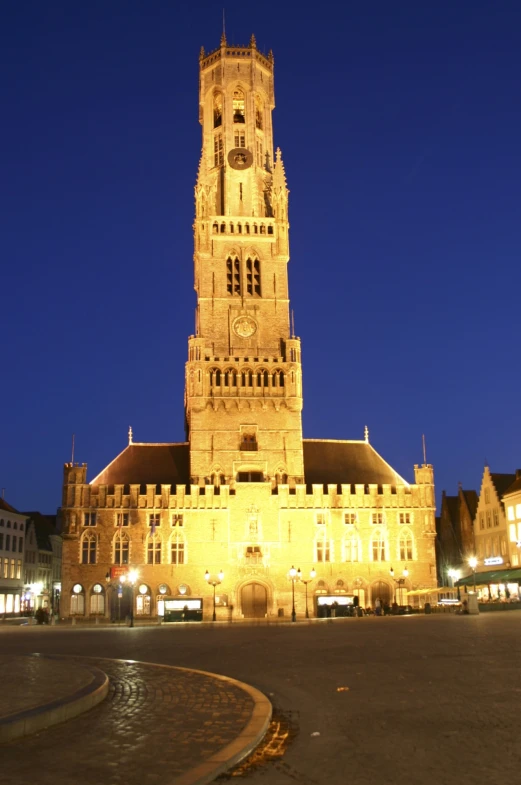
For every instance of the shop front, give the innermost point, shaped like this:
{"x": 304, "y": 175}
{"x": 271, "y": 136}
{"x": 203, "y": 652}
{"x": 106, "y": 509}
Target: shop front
{"x": 331, "y": 605}
{"x": 494, "y": 586}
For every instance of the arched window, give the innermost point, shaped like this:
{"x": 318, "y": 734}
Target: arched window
{"x": 238, "y": 106}
{"x": 88, "y": 548}
{"x": 97, "y": 600}
{"x": 352, "y": 549}
{"x": 378, "y": 549}
{"x": 121, "y": 545}
{"x": 154, "y": 549}
{"x": 217, "y": 110}
{"x": 77, "y": 600}
{"x": 177, "y": 549}
{"x": 322, "y": 547}
{"x": 253, "y": 280}
{"x": 406, "y": 547}
{"x": 233, "y": 276}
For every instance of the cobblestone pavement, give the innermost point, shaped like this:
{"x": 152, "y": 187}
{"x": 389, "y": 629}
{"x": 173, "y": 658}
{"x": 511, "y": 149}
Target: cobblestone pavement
{"x": 156, "y": 724}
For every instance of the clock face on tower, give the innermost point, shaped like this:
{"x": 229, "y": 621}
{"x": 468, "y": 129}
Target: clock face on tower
{"x": 240, "y": 158}
{"x": 244, "y": 326}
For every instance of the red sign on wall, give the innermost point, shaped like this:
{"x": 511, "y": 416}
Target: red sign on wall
{"x": 117, "y": 572}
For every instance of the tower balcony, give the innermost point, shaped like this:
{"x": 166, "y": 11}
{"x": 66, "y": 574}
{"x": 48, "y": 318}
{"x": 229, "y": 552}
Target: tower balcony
{"x": 241, "y": 226}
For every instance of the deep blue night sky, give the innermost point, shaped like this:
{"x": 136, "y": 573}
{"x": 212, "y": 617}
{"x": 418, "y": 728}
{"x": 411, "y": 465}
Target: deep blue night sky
{"x": 400, "y": 128}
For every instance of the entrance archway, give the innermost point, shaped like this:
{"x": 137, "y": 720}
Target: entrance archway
{"x": 382, "y": 590}
{"x": 254, "y": 601}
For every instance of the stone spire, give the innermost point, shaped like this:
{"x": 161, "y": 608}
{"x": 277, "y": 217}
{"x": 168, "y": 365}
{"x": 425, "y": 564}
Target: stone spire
{"x": 223, "y": 39}
{"x": 366, "y": 434}
{"x": 279, "y": 173}
{"x": 129, "y": 435}
{"x": 253, "y": 42}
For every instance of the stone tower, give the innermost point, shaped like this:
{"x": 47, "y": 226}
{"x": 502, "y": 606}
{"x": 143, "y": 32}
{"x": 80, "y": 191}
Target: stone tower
{"x": 243, "y": 384}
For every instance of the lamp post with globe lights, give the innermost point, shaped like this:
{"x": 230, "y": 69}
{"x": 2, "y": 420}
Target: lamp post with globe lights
{"x": 312, "y": 576}
{"x": 214, "y": 582}
{"x": 293, "y": 574}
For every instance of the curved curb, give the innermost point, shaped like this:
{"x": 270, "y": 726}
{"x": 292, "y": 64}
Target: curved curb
{"x": 245, "y": 742}
{"x": 24, "y": 723}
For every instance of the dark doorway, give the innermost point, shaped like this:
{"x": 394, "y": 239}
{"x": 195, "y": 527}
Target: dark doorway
{"x": 254, "y": 601}
{"x": 383, "y": 591}
{"x": 120, "y": 606}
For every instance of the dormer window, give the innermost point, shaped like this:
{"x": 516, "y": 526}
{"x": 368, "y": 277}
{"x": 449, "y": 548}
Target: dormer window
{"x": 238, "y": 106}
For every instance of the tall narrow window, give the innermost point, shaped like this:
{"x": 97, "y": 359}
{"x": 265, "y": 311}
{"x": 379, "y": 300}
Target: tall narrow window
{"x": 258, "y": 112}
{"x": 88, "y": 549}
{"x": 323, "y": 551}
{"x": 406, "y": 552}
{"x": 233, "y": 276}
{"x": 217, "y": 110}
{"x": 154, "y": 549}
{"x": 121, "y": 548}
{"x": 239, "y": 138}
{"x": 378, "y": 549}
{"x": 253, "y": 282}
{"x": 177, "y": 552}
{"x": 238, "y": 106}
{"x": 351, "y": 549}
{"x": 259, "y": 153}
{"x": 218, "y": 152}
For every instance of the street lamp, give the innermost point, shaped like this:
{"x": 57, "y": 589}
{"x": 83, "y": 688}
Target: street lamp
{"x": 293, "y": 574}
{"x": 399, "y": 583}
{"x": 473, "y": 563}
{"x": 312, "y": 576}
{"x": 214, "y": 582}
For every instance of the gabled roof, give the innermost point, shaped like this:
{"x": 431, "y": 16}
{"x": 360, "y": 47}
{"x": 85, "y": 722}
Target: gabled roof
{"x": 451, "y": 505}
{"x": 471, "y": 498}
{"x": 515, "y": 487}
{"x": 44, "y": 526}
{"x": 7, "y": 507}
{"x": 328, "y": 462}
{"x": 153, "y": 464}
{"x": 502, "y": 482}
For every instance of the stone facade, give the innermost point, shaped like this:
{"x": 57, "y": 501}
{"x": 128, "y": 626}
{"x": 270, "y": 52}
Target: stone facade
{"x": 245, "y": 493}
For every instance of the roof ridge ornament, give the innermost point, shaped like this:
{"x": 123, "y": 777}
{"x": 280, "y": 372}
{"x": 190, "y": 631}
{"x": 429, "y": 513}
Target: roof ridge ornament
{"x": 253, "y": 41}
{"x": 129, "y": 435}
{"x": 366, "y": 434}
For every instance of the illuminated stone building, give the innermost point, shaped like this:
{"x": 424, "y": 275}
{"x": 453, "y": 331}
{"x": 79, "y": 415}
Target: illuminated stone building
{"x": 245, "y": 493}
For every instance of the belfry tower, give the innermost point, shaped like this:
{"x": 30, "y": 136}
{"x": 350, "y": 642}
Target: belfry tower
{"x": 243, "y": 384}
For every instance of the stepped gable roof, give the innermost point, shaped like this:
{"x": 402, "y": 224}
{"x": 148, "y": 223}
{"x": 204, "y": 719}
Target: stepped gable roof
{"x": 502, "y": 482}
{"x": 328, "y": 462}
{"x": 44, "y": 526}
{"x": 152, "y": 464}
{"x": 516, "y": 485}
{"x": 7, "y": 507}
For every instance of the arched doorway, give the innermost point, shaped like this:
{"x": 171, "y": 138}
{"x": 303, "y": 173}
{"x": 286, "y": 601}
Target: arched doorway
{"x": 382, "y": 590}
{"x": 254, "y": 601}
